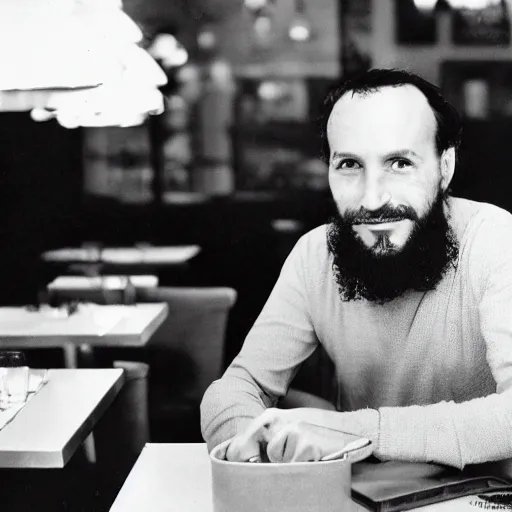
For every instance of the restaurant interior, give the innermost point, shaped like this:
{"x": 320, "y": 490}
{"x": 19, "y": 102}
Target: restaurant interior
{"x": 194, "y": 197}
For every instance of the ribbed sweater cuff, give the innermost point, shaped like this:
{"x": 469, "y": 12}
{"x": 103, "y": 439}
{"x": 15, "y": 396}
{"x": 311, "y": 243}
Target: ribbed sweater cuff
{"x": 402, "y": 433}
{"x": 363, "y": 422}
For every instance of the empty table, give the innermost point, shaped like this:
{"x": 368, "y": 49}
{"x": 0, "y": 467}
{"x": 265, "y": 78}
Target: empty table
{"x": 103, "y": 289}
{"x": 141, "y": 256}
{"x": 57, "y": 419}
{"x": 91, "y": 324}
{"x": 112, "y": 282}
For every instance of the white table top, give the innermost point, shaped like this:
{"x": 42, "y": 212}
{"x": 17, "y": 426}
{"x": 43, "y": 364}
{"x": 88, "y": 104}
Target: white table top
{"x": 177, "y": 477}
{"x": 151, "y": 255}
{"x": 55, "y": 421}
{"x": 168, "y": 477}
{"x": 106, "y": 282}
{"x": 91, "y": 324}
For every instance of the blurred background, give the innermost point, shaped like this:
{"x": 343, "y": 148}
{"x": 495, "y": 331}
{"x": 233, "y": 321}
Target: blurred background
{"x": 230, "y": 164}
{"x": 233, "y": 163}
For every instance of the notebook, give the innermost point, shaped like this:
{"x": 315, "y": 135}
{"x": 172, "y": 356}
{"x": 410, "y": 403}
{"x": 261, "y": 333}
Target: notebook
{"x": 392, "y": 486}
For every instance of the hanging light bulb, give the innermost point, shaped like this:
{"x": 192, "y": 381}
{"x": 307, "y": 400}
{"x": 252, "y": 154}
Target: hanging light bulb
{"x": 263, "y": 28}
{"x": 168, "y": 50}
{"x": 206, "y": 39}
{"x": 255, "y": 5}
{"x": 84, "y": 50}
{"x": 472, "y": 4}
{"x": 425, "y": 5}
{"x": 300, "y": 27}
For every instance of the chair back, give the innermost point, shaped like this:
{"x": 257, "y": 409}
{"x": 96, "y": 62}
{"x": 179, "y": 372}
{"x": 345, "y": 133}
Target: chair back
{"x": 186, "y": 353}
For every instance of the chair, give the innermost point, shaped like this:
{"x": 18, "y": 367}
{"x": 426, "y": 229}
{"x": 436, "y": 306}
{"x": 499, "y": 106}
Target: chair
{"x": 185, "y": 355}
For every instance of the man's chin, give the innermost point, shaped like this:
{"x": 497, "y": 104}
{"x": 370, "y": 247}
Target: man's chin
{"x": 380, "y": 251}
{"x": 381, "y": 246}
{"x": 388, "y": 263}
{"x": 385, "y": 238}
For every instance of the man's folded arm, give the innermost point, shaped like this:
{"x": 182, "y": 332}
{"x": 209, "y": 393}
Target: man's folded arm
{"x": 455, "y": 434}
{"x": 280, "y": 340}
{"x": 449, "y": 433}
{"x": 478, "y": 430}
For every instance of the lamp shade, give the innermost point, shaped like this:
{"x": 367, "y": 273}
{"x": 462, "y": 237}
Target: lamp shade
{"x": 80, "y": 56}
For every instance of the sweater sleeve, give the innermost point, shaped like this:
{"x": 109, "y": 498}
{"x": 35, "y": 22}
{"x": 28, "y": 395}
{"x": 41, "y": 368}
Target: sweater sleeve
{"x": 280, "y": 340}
{"x": 478, "y": 430}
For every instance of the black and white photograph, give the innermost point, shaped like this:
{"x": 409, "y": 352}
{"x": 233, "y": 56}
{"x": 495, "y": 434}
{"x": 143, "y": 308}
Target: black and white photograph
{"x": 255, "y": 255}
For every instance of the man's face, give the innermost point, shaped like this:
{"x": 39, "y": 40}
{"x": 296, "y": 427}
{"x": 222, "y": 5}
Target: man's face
{"x": 385, "y": 172}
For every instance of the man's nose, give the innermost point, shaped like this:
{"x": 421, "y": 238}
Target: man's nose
{"x": 375, "y": 193}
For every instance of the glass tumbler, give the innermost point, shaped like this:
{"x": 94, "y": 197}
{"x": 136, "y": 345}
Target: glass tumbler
{"x": 14, "y": 378}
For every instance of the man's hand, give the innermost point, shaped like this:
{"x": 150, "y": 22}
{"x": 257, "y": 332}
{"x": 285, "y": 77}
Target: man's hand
{"x": 286, "y": 436}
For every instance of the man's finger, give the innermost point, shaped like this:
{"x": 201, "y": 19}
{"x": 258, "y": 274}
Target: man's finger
{"x": 248, "y": 447}
{"x": 221, "y": 449}
{"x": 292, "y": 442}
{"x": 278, "y": 440}
{"x": 305, "y": 452}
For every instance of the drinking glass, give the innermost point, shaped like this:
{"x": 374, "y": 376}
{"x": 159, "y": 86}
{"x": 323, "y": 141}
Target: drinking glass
{"x": 14, "y": 375}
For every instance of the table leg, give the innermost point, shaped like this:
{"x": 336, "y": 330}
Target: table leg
{"x": 71, "y": 361}
{"x": 70, "y": 356}
{"x": 90, "y": 448}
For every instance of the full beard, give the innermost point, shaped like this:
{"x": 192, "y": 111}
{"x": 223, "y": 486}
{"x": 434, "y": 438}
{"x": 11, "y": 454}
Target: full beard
{"x": 384, "y": 272}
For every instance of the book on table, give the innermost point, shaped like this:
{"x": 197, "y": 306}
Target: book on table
{"x": 393, "y": 486}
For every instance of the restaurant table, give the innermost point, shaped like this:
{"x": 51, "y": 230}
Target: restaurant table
{"x": 58, "y": 418}
{"x": 108, "y": 282}
{"x": 91, "y": 324}
{"x": 177, "y": 477}
{"x": 119, "y": 256}
{"x": 103, "y": 289}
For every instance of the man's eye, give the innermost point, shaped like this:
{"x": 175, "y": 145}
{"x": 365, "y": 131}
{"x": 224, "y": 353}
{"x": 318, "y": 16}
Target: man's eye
{"x": 400, "y": 164}
{"x": 349, "y": 164}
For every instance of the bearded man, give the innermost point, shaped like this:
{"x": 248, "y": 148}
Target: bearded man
{"x": 408, "y": 289}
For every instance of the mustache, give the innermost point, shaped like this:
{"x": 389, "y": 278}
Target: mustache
{"x": 386, "y": 213}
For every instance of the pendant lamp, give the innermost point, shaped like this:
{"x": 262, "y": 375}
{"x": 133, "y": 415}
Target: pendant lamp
{"x": 77, "y": 61}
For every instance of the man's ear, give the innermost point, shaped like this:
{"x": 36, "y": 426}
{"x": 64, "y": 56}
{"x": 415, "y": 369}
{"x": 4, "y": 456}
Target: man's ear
{"x": 447, "y": 167}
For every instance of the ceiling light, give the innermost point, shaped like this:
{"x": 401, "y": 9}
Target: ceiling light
{"x": 58, "y": 52}
{"x": 300, "y": 27}
{"x": 168, "y": 50}
{"x": 472, "y": 4}
{"x": 263, "y": 27}
{"x": 425, "y": 5}
{"x": 206, "y": 39}
{"x": 255, "y": 5}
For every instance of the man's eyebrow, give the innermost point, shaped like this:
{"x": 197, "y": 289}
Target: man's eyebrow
{"x": 405, "y": 153}
{"x": 408, "y": 153}
{"x": 338, "y": 154}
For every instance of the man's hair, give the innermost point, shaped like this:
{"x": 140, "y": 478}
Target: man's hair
{"x": 449, "y": 125}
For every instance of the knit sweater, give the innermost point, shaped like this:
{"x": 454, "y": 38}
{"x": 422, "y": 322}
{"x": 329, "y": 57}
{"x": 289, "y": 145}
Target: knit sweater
{"x": 427, "y": 376}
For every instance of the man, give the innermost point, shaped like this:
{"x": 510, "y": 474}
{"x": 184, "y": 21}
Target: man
{"x": 409, "y": 290}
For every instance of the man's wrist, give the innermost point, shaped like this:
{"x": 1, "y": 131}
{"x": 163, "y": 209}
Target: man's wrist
{"x": 363, "y": 423}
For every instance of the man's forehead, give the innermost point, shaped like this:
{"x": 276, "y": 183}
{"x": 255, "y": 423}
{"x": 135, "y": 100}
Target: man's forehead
{"x": 404, "y": 100}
